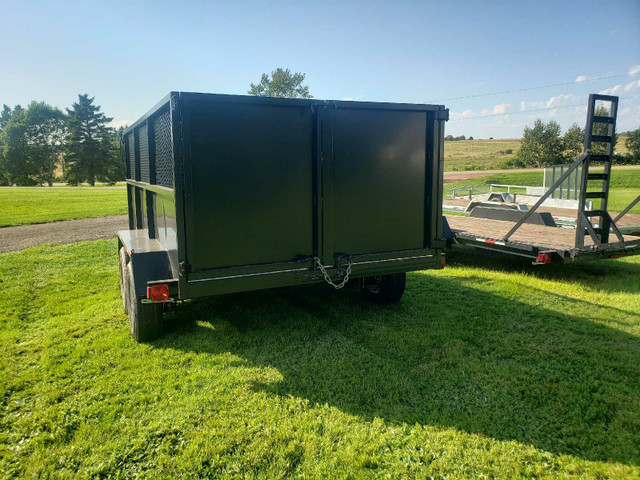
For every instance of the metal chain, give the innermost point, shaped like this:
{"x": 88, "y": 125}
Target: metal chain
{"x": 327, "y": 278}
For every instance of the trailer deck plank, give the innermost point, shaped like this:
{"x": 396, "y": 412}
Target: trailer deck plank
{"x": 541, "y": 236}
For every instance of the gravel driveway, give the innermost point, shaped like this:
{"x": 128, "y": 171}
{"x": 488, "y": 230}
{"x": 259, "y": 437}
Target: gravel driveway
{"x": 68, "y": 231}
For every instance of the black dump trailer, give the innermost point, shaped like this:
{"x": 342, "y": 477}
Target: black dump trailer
{"x": 233, "y": 193}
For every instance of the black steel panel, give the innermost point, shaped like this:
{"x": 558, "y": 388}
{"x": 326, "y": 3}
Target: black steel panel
{"x": 131, "y": 156}
{"x": 251, "y": 183}
{"x": 143, "y": 146}
{"x": 378, "y": 174}
{"x": 163, "y": 149}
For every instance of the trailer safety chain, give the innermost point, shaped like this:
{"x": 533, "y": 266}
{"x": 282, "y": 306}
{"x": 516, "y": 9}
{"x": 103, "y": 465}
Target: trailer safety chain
{"x": 327, "y": 278}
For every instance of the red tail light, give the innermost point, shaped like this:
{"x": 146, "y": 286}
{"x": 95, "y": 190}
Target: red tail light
{"x": 544, "y": 258}
{"x": 158, "y": 293}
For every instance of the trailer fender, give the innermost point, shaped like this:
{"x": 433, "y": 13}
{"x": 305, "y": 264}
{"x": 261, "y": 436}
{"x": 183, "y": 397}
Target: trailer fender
{"x": 149, "y": 260}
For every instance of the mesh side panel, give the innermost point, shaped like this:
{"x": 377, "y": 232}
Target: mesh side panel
{"x": 131, "y": 157}
{"x": 164, "y": 154}
{"x": 143, "y": 148}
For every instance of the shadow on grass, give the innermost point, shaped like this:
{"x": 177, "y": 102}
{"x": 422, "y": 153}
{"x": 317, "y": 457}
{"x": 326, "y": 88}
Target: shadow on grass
{"x": 589, "y": 274}
{"x": 447, "y": 355}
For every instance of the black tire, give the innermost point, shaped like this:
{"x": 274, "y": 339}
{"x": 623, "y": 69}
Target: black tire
{"x": 145, "y": 319}
{"x": 124, "y": 261}
{"x": 384, "y": 289}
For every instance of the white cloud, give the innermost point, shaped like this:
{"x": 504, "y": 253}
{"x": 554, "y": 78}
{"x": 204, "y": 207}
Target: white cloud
{"x": 459, "y": 115}
{"x": 501, "y": 108}
{"x": 484, "y": 111}
{"x": 616, "y": 90}
{"x": 634, "y": 70}
{"x": 611, "y": 91}
{"x": 556, "y": 101}
{"x": 120, "y": 123}
{"x": 561, "y": 99}
{"x": 581, "y": 78}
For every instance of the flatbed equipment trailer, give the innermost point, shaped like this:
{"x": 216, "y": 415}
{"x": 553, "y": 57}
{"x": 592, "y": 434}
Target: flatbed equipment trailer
{"x": 540, "y": 243}
{"x": 590, "y": 240}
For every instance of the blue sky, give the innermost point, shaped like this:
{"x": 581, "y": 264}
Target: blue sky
{"x": 130, "y": 54}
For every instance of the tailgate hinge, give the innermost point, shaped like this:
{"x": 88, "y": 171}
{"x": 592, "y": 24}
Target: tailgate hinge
{"x": 442, "y": 114}
{"x": 185, "y": 268}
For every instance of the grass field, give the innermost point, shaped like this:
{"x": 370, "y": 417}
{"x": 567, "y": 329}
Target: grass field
{"x": 22, "y": 206}
{"x": 625, "y": 185}
{"x": 480, "y": 372}
{"x": 486, "y": 154}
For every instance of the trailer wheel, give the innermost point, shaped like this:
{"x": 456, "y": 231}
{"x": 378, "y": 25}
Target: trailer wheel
{"x": 124, "y": 261}
{"x": 384, "y": 288}
{"x": 145, "y": 319}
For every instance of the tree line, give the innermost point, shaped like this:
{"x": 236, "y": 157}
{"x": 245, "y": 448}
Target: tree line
{"x": 543, "y": 144}
{"x": 37, "y": 140}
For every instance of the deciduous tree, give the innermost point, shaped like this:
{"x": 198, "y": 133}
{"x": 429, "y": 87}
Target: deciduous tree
{"x": 281, "y": 83}
{"x": 45, "y": 138}
{"x": 573, "y": 140}
{"x": 633, "y": 145}
{"x": 541, "y": 145}
{"x": 32, "y": 143}
{"x": 14, "y": 149}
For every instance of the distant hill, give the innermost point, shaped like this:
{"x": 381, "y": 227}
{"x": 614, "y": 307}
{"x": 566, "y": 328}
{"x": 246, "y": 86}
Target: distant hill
{"x": 479, "y": 154}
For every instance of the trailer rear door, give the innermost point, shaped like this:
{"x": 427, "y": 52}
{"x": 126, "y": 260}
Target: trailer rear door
{"x": 373, "y": 180}
{"x": 248, "y": 182}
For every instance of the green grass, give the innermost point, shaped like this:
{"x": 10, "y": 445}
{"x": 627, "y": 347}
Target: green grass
{"x": 480, "y": 372}
{"x": 22, "y": 206}
{"x": 625, "y": 185}
{"x": 478, "y": 154}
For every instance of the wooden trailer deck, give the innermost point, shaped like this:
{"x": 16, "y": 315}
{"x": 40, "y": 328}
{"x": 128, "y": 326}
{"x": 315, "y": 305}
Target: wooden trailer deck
{"x": 530, "y": 240}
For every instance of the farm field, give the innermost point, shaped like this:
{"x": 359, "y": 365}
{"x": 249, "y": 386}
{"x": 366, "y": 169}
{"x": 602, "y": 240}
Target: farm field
{"x": 27, "y": 205}
{"x": 534, "y": 374}
{"x": 478, "y": 154}
{"x": 486, "y": 154}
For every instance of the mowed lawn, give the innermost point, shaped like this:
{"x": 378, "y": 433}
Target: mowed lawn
{"x": 481, "y": 371}
{"x": 26, "y": 205}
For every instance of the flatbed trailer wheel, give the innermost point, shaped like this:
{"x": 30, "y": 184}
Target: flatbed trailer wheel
{"x": 124, "y": 261}
{"x": 384, "y": 289}
{"x": 145, "y": 319}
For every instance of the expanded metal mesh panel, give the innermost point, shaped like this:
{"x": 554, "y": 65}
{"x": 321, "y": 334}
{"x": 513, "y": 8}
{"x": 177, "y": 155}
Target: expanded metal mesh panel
{"x": 164, "y": 153}
{"x": 143, "y": 148}
{"x": 131, "y": 156}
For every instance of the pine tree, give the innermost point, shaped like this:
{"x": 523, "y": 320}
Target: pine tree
{"x": 115, "y": 169}
{"x": 87, "y": 150}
